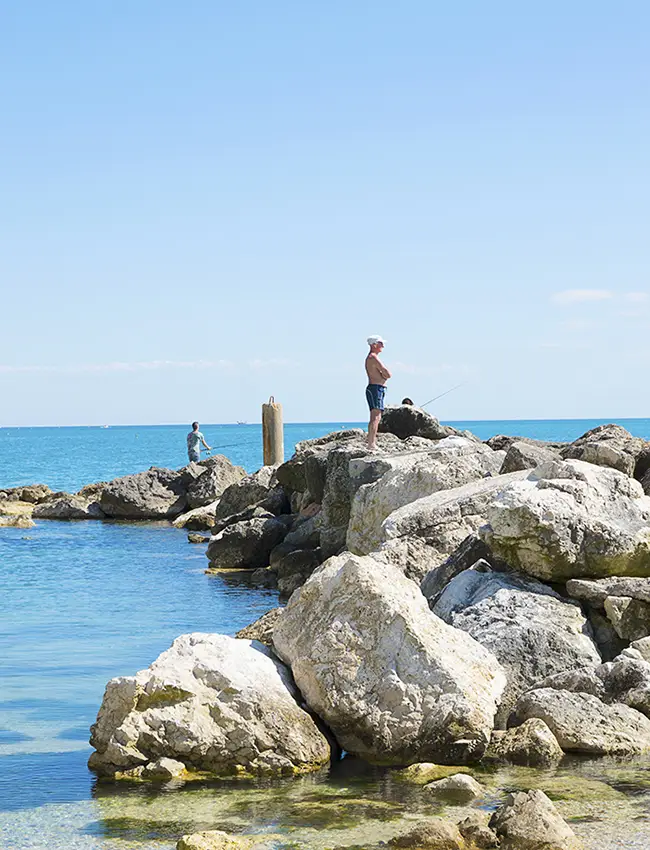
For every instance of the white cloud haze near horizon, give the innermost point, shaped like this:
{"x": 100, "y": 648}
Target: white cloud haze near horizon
{"x": 212, "y": 205}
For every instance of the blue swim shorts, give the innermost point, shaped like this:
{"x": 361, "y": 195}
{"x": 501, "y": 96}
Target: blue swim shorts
{"x": 194, "y": 455}
{"x": 375, "y": 396}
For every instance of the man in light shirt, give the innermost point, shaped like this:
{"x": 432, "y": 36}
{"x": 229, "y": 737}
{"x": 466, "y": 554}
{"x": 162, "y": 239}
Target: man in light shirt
{"x": 194, "y": 440}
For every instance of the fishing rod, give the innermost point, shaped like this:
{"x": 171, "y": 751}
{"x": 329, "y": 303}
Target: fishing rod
{"x": 446, "y": 392}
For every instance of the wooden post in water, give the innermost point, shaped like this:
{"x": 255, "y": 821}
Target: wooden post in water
{"x": 272, "y": 433}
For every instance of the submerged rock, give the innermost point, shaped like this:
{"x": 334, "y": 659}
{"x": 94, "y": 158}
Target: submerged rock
{"x": 477, "y": 833}
{"x": 571, "y": 519}
{"x": 393, "y": 682}
{"x": 215, "y": 704}
{"x": 435, "y": 834}
{"x": 530, "y": 821}
{"x": 459, "y": 788}
{"x": 16, "y": 521}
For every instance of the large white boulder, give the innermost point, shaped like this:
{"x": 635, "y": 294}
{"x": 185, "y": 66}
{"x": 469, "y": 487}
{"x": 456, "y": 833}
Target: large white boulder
{"x": 213, "y": 703}
{"x": 529, "y": 627}
{"x": 450, "y": 463}
{"x": 394, "y": 682}
{"x": 571, "y": 519}
{"x": 419, "y": 536}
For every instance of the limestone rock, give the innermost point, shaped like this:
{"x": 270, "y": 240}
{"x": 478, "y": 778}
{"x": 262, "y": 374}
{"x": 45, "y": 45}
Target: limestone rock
{"x": 250, "y": 490}
{"x": 198, "y": 519}
{"x": 434, "y": 834}
{"x": 262, "y": 628}
{"x": 607, "y": 445}
{"x": 245, "y": 545}
{"x": 530, "y": 821}
{"x": 422, "y": 773}
{"x": 502, "y": 442}
{"x": 294, "y": 569}
{"x": 195, "y": 537}
{"x": 155, "y": 494}
{"x": 30, "y": 493}
{"x": 596, "y": 591}
{"x": 477, "y": 833}
{"x": 430, "y": 529}
{"x": 66, "y": 506}
{"x": 305, "y": 472}
{"x": 213, "y": 702}
{"x": 630, "y": 617}
{"x": 569, "y": 520}
{"x": 470, "y": 550}
{"x": 393, "y": 682}
{"x": 521, "y": 455}
{"x": 460, "y": 788}
{"x": 532, "y": 744}
{"x": 530, "y": 629}
{"x": 638, "y": 649}
{"x": 583, "y": 723}
{"x": 16, "y": 521}
{"x": 164, "y": 770}
{"x": 219, "y": 474}
{"x": 215, "y": 839}
{"x": 449, "y": 464}
{"x": 407, "y": 420}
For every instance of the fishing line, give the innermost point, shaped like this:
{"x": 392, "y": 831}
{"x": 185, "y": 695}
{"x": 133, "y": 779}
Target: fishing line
{"x": 435, "y": 398}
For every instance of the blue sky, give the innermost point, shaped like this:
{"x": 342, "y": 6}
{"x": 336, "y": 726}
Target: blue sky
{"x": 204, "y": 203}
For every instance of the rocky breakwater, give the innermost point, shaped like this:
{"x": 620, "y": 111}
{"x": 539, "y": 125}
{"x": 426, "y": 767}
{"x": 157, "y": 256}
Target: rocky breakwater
{"x": 497, "y": 616}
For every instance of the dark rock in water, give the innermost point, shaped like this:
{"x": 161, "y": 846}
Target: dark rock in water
{"x": 219, "y": 474}
{"x": 607, "y": 445}
{"x": 262, "y": 628}
{"x": 477, "y": 833}
{"x": 246, "y": 544}
{"x": 31, "y": 493}
{"x": 193, "y": 537}
{"x": 502, "y": 442}
{"x": 523, "y": 455}
{"x": 406, "y": 420}
{"x": 155, "y": 494}
{"x": 530, "y": 821}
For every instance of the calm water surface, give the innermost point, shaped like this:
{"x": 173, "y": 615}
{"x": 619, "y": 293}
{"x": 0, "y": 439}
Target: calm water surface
{"x": 82, "y": 602}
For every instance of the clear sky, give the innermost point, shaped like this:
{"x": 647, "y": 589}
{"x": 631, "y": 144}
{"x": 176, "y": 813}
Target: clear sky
{"x": 206, "y": 202}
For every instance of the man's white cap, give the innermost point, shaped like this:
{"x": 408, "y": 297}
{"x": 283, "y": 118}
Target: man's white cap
{"x": 374, "y": 339}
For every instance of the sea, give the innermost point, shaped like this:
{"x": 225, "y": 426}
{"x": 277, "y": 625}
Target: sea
{"x": 83, "y": 602}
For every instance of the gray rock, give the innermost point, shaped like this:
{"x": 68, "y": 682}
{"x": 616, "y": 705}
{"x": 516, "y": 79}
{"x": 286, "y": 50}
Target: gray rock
{"x": 295, "y": 567}
{"x": 530, "y": 629}
{"x": 449, "y": 464}
{"x": 638, "y": 649}
{"x": 502, "y": 442}
{"x": 305, "y": 472}
{"x": 406, "y": 420}
{"x": 607, "y": 445}
{"x": 459, "y": 788}
{"x": 477, "y": 833}
{"x": 630, "y": 617}
{"x": 249, "y": 491}
{"x": 213, "y": 702}
{"x": 305, "y": 533}
{"x": 434, "y": 834}
{"x": 583, "y": 723}
{"x": 523, "y": 455}
{"x": 194, "y": 537}
{"x": 33, "y": 493}
{"x": 530, "y": 821}
{"x": 532, "y": 744}
{"x": 164, "y": 770}
{"x": 394, "y": 683}
{"x": 154, "y": 494}
{"x": 198, "y": 519}
{"x": 246, "y": 544}
{"x": 262, "y": 628}
{"x": 66, "y": 506}
{"x": 596, "y": 591}
{"x": 219, "y": 474}
{"x": 608, "y": 642}
{"x": 470, "y": 550}
{"x": 431, "y": 528}
{"x": 571, "y": 519}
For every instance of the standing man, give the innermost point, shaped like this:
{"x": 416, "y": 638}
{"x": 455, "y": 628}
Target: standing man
{"x": 378, "y": 374}
{"x": 194, "y": 439}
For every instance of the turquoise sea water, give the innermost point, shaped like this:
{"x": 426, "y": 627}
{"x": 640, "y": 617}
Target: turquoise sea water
{"x": 82, "y": 602}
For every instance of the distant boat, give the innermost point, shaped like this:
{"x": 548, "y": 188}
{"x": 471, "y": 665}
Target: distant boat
{"x": 106, "y": 426}
{"x": 243, "y": 422}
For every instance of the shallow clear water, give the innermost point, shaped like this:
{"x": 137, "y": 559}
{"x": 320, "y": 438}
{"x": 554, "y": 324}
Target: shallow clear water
{"x": 82, "y": 602}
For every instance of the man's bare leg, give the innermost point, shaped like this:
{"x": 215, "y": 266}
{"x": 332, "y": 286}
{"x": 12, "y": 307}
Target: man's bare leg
{"x": 373, "y": 425}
